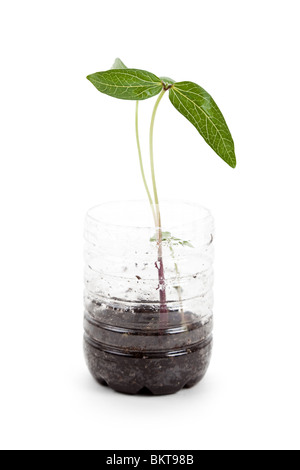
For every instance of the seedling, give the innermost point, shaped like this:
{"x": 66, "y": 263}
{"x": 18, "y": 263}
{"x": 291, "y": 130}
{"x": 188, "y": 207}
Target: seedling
{"x": 194, "y": 103}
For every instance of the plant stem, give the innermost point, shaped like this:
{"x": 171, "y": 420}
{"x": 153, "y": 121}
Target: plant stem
{"x": 152, "y": 156}
{"x": 160, "y": 265}
{"x": 141, "y": 161}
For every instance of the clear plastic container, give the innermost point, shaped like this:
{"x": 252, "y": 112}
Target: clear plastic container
{"x": 133, "y": 341}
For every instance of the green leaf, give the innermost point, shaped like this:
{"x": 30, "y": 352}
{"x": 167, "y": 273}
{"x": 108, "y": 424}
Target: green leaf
{"x": 118, "y": 64}
{"x": 199, "y": 108}
{"x": 167, "y": 237}
{"x": 178, "y": 241}
{"x": 127, "y": 84}
{"x": 187, "y": 243}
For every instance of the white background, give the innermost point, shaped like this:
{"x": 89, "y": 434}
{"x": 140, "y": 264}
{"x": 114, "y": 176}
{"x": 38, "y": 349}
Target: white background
{"x": 66, "y": 147}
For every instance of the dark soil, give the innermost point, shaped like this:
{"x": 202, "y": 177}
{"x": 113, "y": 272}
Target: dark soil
{"x": 132, "y": 352}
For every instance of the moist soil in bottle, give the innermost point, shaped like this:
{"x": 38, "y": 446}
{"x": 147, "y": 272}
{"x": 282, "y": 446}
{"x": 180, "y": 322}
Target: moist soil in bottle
{"x": 132, "y": 351}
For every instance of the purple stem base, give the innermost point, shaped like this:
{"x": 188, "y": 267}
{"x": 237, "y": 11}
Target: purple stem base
{"x": 162, "y": 291}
